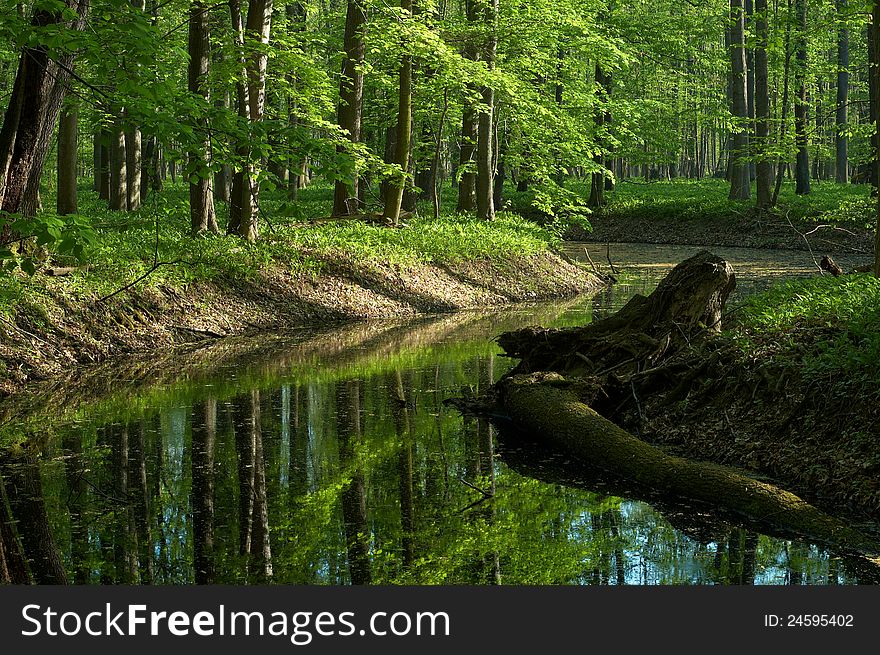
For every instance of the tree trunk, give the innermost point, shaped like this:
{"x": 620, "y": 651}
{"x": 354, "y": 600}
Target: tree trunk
{"x": 351, "y": 96}
{"x": 467, "y": 185}
{"x": 485, "y": 142}
{"x": 875, "y": 28}
{"x": 37, "y": 94}
{"x": 24, "y": 489}
{"x": 597, "y": 179}
{"x": 96, "y": 162}
{"x": 201, "y": 200}
{"x": 354, "y": 496}
{"x": 740, "y": 187}
{"x": 543, "y": 404}
{"x": 67, "y": 158}
{"x": 394, "y": 195}
{"x": 240, "y": 200}
{"x": 104, "y": 193}
{"x": 750, "y": 79}
{"x": 133, "y": 168}
{"x": 840, "y": 138}
{"x": 118, "y": 174}
{"x": 786, "y": 75}
{"x": 256, "y": 38}
{"x": 763, "y": 168}
{"x": 802, "y": 165}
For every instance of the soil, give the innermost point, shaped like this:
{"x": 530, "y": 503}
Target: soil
{"x": 746, "y": 231}
{"x": 65, "y": 330}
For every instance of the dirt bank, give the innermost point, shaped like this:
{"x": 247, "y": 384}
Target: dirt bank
{"x": 61, "y": 329}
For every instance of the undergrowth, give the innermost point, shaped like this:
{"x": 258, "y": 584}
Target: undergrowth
{"x": 839, "y": 319}
{"x": 126, "y": 246}
{"x": 691, "y": 200}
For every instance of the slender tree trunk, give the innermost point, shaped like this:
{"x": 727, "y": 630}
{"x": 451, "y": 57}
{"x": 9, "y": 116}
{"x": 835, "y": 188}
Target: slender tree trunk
{"x": 786, "y": 76}
{"x": 485, "y": 144}
{"x": 133, "y": 168}
{"x": 203, "y": 439}
{"x": 467, "y": 186}
{"x": 104, "y": 193}
{"x": 875, "y": 28}
{"x": 438, "y": 145}
{"x": 351, "y": 96}
{"x": 597, "y": 179}
{"x": 203, "y": 218}
{"x": 241, "y": 202}
{"x": 763, "y": 168}
{"x": 750, "y": 80}
{"x": 118, "y": 175}
{"x": 740, "y": 187}
{"x": 840, "y": 138}
{"x": 67, "y": 151}
{"x": 404, "y": 131}
{"x": 96, "y": 162}
{"x": 802, "y": 165}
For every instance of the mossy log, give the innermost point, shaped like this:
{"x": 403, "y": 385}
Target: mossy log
{"x": 548, "y": 405}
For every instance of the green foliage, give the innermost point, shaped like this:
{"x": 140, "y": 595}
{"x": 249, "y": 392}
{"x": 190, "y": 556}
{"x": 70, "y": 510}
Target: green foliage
{"x": 65, "y": 237}
{"x": 706, "y": 200}
{"x": 843, "y": 312}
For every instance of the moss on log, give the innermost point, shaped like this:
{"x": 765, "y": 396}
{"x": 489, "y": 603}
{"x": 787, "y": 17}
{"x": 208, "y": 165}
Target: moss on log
{"x": 546, "y": 404}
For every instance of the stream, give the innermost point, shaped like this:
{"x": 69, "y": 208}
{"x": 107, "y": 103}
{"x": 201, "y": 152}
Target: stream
{"x": 328, "y": 457}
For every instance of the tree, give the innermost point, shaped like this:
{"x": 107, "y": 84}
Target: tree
{"x": 763, "y": 168}
{"x": 37, "y": 94}
{"x": 351, "y": 96}
{"x": 840, "y": 136}
{"x": 485, "y": 131}
{"x": 467, "y": 179}
{"x": 201, "y": 200}
{"x": 802, "y": 166}
{"x": 875, "y": 28}
{"x": 67, "y": 133}
{"x": 395, "y": 188}
{"x": 740, "y": 187}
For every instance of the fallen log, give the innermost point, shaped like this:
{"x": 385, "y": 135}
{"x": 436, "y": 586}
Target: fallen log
{"x": 549, "y": 405}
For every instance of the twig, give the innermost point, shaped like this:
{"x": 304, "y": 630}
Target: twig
{"x": 807, "y": 241}
{"x": 592, "y": 263}
{"x": 30, "y": 334}
{"x": 140, "y": 278}
{"x": 485, "y": 493}
{"x": 636, "y": 398}
{"x": 608, "y": 256}
{"x": 210, "y": 333}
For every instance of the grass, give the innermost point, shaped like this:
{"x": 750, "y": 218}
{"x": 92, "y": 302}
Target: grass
{"x": 127, "y": 243}
{"x": 691, "y": 200}
{"x": 840, "y": 316}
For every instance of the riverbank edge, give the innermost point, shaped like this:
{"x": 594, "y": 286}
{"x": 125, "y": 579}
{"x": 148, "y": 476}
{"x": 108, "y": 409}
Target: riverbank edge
{"x": 61, "y": 330}
{"x": 813, "y": 437}
{"x": 768, "y": 231}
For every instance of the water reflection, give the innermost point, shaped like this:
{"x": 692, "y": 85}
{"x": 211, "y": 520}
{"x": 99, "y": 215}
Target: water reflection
{"x": 332, "y": 460}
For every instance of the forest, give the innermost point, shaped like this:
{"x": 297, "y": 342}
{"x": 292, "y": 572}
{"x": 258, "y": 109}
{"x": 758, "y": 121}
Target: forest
{"x": 271, "y": 277}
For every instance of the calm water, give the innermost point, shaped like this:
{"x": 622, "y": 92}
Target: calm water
{"x": 329, "y": 458}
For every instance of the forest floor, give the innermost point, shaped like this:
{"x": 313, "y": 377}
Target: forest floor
{"x": 833, "y": 218}
{"x": 299, "y": 273}
{"x": 799, "y": 401}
